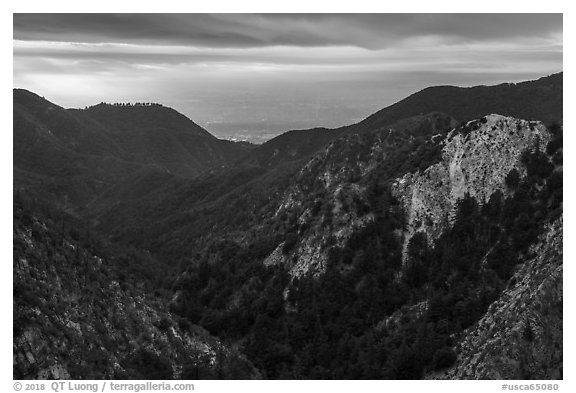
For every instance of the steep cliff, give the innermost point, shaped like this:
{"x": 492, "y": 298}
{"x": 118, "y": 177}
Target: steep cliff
{"x": 330, "y": 194}
{"x": 326, "y": 290}
{"x": 520, "y": 337}
{"x": 476, "y": 158}
{"x": 398, "y": 248}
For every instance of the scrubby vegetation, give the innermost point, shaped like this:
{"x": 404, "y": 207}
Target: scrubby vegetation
{"x": 96, "y": 312}
{"x": 182, "y": 259}
{"x": 367, "y": 317}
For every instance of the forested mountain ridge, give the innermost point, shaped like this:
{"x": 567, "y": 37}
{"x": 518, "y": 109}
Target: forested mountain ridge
{"x": 153, "y": 133}
{"x": 520, "y": 336}
{"x": 77, "y": 155}
{"x": 531, "y": 100}
{"x": 341, "y": 265}
{"x": 375, "y": 253}
{"x": 539, "y": 99}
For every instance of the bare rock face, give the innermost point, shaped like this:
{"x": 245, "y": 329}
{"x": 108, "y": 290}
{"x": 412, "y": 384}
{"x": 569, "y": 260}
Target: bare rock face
{"x": 277, "y": 257}
{"x": 475, "y": 161}
{"x": 520, "y": 337}
{"x": 476, "y": 158}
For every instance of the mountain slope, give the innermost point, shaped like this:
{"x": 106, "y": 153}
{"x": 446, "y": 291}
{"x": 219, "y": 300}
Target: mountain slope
{"x": 330, "y": 284}
{"x": 532, "y": 100}
{"x": 375, "y": 251}
{"x": 244, "y": 200}
{"x": 154, "y": 134}
{"x": 78, "y": 154}
{"x": 290, "y": 146}
{"x": 520, "y": 337}
{"x": 75, "y": 317}
{"x": 476, "y": 160}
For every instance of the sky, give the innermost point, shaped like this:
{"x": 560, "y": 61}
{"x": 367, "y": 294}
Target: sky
{"x": 254, "y": 76}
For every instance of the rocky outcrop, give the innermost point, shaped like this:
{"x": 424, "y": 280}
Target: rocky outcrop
{"x": 476, "y": 159}
{"x": 333, "y": 172}
{"x": 520, "y": 337}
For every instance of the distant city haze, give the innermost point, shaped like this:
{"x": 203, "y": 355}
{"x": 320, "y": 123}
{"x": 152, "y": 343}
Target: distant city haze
{"x": 252, "y": 77}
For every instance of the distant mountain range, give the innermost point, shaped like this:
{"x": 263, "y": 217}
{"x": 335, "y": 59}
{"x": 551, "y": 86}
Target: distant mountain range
{"x": 378, "y": 250}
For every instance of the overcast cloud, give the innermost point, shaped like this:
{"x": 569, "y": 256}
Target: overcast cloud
{"x": 264, "y": 74}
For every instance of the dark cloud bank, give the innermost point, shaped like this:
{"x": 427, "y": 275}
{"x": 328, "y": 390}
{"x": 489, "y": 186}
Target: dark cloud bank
{"x": 246, "y": 74}
{"x": 374, "y": 31}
